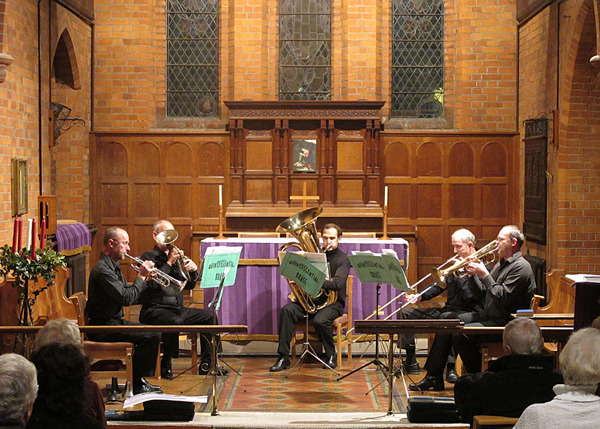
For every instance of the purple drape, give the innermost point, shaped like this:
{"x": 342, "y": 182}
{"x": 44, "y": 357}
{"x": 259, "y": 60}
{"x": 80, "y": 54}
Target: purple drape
{"x": 259, "y": 291}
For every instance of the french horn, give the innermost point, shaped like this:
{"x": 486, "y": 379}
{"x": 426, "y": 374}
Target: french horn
{"x": 302, "y": 227}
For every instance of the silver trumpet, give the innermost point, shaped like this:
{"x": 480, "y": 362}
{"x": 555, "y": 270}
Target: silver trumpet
{"x": 161, "y": 278}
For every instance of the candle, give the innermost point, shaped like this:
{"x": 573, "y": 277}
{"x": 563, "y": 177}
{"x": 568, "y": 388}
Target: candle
{"x": 15, "y": 234}
{"x": 42, "y": 232}
{"x": 220, "y": 195}
{"x": 19, "y": 229}
{"x": 385, "y": 196}
{"x": 30, "y": 221}
{"x": 33, "y": 255}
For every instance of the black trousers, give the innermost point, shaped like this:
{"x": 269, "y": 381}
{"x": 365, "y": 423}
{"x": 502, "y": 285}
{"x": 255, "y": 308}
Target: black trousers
{"x": 408, "y": 340}
{"x": 180, "y": 316}
{"x": 293, "y": 313}
{"x": 468, "y": 346}
{"x": 442, "y": 346}
{"x": 145, "y": 351}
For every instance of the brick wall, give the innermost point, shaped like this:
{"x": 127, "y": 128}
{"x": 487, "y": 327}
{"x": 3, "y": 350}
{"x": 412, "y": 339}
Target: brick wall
{"x": 563, "y": 38}
{"x": 65, "y": 168}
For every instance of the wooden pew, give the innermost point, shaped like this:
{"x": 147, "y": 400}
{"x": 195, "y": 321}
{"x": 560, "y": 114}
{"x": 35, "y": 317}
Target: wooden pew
{"x": 53, "y": 303}
{"x": 561, "y": 301}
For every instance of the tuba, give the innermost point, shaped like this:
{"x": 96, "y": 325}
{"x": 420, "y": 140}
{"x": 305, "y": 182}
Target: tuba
{"x": 302, "y": 227}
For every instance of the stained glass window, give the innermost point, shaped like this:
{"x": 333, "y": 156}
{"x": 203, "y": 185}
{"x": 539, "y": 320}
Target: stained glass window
{"x": 192, "y": 58}
{"x": 304, "y": 49}
{"x": 417, "y": 58}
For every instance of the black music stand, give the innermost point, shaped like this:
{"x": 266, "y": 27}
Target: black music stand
{"x": 307, "y": 349}
{"x": 214, "y": 305}
{"x": 376, "y": 361}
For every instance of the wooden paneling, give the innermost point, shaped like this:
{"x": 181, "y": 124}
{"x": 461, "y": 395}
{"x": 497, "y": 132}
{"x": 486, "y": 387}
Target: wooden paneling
{"x": 141, "y": 178}
{"x": 440, "y": 182}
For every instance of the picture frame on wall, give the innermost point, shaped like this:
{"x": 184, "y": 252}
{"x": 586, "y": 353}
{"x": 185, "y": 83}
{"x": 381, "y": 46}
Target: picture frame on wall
{"x": 19, "y": 186}
{"x": 304, "y": 156}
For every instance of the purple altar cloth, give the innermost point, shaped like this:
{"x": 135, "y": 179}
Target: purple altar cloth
{"x": 259, "y": 291}
{"x": 75, "y": 237}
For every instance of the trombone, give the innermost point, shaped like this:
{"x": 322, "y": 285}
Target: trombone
{"x": 400, "y": 295}
{"x": 486, "y": 253}
{"x": 161, "y": 278}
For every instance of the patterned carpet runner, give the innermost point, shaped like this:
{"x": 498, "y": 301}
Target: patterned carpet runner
{"x": 308, "y": 388}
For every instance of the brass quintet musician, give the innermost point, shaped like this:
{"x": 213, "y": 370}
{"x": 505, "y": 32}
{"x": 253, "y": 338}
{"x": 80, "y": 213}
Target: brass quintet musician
{"x": 459, "y": 302}
{"x": 108, "y": 292}
{"x": 292, "y": 313}
{"x": 164, "y": 305}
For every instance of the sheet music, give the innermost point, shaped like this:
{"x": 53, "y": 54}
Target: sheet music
{"x": 319, "y": 260}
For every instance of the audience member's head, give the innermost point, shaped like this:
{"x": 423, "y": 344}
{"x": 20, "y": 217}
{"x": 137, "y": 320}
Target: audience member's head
{"x": 522, "y": 336}
{"x": 18, "y": 388}
{"x": 63, "y": 331}
{"x": 579, "y": 360}
{"x": 62, "y": 369}
{"x": 596, "y": 323}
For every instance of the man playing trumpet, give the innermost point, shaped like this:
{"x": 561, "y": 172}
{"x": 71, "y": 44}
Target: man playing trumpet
{"x": 108, "y": 292}
{"x": 164, "y": 305}
{"x": 460, "y": 303}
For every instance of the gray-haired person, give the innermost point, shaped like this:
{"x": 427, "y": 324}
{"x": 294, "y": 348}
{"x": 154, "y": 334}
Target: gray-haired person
{"x": 18, "y": 389}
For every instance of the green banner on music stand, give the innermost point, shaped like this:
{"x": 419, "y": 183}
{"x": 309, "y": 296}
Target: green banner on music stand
{"x": 214, "y": 265}
{"x": 298, "y": 269}
{"x": 377, "y": 268}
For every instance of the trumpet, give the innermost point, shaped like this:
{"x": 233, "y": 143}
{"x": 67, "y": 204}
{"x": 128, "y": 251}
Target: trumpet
{"x": 486, "y": 254}
{"x": 167, "y": 238}
{"x": 161, "y": 278}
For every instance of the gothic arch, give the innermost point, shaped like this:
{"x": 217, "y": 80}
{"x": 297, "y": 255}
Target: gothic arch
{"x": 64, "y": 65}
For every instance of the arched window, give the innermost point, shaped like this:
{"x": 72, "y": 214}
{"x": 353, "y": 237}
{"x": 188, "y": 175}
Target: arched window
{"x": 304, "y": 50}
{"x": 417, "y": 58}
{"x": 192, "y": 58}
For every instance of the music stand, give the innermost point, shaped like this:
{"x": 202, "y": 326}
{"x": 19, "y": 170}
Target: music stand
{"x": 307, "y": 349}
{"x": 214, "y": 305}
{"x": 377, "y": 268}
{"x": 375, "y": 361}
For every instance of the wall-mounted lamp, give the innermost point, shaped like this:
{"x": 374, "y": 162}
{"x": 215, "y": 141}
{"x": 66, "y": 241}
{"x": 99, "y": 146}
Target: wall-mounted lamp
{"x": 61, "y": 120}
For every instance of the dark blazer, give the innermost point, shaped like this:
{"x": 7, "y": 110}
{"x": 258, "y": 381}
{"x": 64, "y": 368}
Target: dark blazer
{"x": 510, "y": 385}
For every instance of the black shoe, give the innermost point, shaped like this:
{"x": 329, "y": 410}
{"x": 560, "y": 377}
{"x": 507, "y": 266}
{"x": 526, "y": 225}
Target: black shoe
{"x": 330, "y": 363}
{"x": 145, "y": 387}
{"x": 451, "y": 375}
{"x": 411, "y": 368}
{"x": 281, "y": 364}
{"x": 166, "y": 371}
{"x": 427, "y": 383}
{"x": 204, "y": 369}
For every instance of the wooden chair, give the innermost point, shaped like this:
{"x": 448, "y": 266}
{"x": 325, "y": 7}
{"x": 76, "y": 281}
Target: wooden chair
{"x": 99, "y": 351}
{"x": 341, "y": 325}
{"x": 493, "y": 422}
